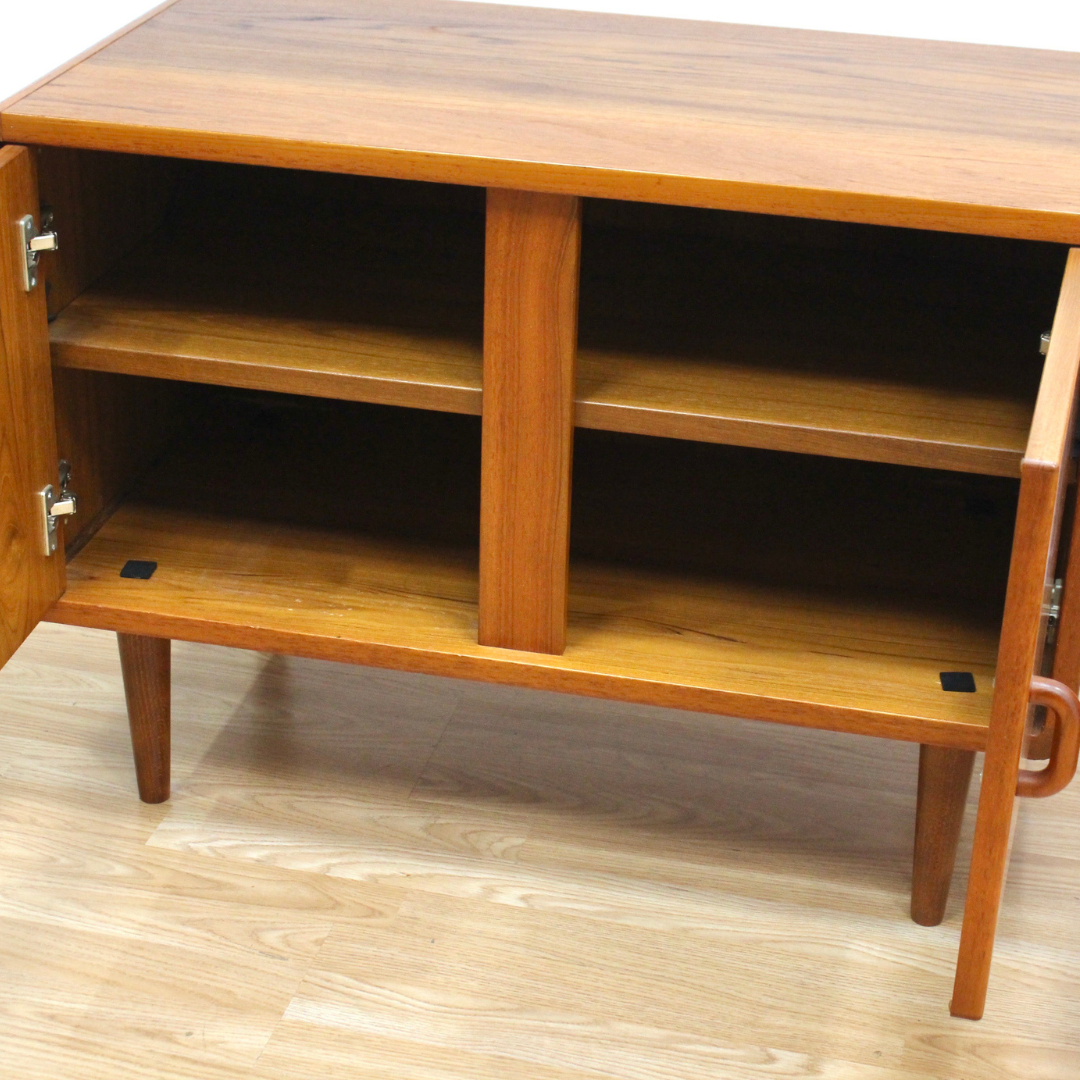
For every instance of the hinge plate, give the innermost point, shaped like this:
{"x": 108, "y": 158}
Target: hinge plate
{"x": 1052, "y": 607}
{"x": 53, "y": 506}
{"x": 33, "y": 243}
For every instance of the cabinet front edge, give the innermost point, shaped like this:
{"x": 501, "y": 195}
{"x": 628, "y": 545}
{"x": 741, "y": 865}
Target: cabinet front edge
{"x": 914, "y": 212}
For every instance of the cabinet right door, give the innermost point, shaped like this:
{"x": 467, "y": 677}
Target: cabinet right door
{"x": 30, "y": 580}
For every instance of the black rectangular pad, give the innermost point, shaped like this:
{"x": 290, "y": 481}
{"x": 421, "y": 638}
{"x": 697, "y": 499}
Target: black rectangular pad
{"x": 959, "y": 682}
{"x": 138, "y": 568}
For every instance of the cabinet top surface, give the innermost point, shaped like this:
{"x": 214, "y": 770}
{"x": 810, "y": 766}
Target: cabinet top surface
{"x": 926, "y": 134}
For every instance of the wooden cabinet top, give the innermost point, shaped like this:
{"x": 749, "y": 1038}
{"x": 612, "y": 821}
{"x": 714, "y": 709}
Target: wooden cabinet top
{"x": 894, "y": 131}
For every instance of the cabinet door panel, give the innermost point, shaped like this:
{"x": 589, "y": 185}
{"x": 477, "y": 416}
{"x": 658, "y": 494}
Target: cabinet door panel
{"x": 29, "y": 581}
{"x": 1043, "y": 478}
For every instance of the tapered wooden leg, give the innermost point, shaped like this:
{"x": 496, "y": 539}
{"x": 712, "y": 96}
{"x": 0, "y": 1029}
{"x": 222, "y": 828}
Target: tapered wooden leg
{"x": 145, "y": 662}
{"x": 944, "y": 778}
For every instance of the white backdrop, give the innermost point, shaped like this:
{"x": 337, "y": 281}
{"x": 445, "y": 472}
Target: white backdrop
{"x": 38, "y": 35}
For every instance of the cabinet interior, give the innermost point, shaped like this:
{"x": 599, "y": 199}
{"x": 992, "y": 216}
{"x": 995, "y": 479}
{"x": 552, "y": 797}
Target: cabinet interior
{"x": 348, "y": 529}
{"x": 271, "y": 387}
{"x": 881, "y": 344}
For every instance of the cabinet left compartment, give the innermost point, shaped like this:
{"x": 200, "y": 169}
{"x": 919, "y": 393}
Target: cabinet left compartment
{"x": 268, "y": 385}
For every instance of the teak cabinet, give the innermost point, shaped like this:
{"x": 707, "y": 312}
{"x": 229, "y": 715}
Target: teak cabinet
{"x": 344, "y": 290}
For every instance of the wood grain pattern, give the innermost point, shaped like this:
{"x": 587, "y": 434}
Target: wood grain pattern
{"x": 107, "y": 332}
{"x": 80, "y": 57}
{"x": 145, "y": 662}
{"x": 28, "y": 461}
{"x": 1038, "y": 519}
{"x": 530, "y": 344}
{"x": 944, "y": 778}
{"x": 566, "y": 877}
{"x": 741, "y": 405}
{"x": 791, "y": 122}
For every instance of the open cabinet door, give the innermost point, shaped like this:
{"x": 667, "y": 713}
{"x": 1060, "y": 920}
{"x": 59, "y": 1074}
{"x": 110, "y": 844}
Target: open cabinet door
{"x": 30, "y": 580}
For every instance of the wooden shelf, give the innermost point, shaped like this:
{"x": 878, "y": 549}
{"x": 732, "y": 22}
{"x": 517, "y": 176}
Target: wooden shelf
{"x": 349, "y": 532}
{"x": 116, "y": 327}
{"x": 637, "y": 635}
{"x": 703, "y": 398}
{"x": 838, "y": 416}
{"x": 872, "y": 344}
{"x": 874, "y": 356}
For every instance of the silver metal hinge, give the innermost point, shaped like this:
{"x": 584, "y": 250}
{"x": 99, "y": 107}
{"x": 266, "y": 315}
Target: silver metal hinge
{"x": 34, "y": 243}
{"x": 1053, "y": 610}
{"x": 55, "y": 505}
{"x": 1044, "y": 342}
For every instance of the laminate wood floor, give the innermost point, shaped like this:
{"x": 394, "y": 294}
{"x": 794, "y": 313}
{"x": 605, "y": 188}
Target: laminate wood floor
{"x": 364, "y": 874}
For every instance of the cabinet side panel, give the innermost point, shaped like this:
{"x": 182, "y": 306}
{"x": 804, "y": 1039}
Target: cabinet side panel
{"x": 113, "y": 428}
{"x": 30, "y": 582}
{"x": 104, "y": 204}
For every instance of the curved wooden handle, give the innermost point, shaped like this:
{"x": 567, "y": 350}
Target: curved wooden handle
{"x": 1063, "y": 703}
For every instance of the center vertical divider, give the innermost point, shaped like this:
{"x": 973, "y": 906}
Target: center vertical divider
{"x": 531, "y": 280}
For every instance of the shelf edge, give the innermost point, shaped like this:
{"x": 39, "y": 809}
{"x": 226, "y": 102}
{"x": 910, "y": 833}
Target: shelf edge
{"x": 528, "y": 670}
{"x": 1018, "y": 222}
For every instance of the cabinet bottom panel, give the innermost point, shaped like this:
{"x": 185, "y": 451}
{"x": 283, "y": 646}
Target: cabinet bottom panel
{"x": 681, "y": 640}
